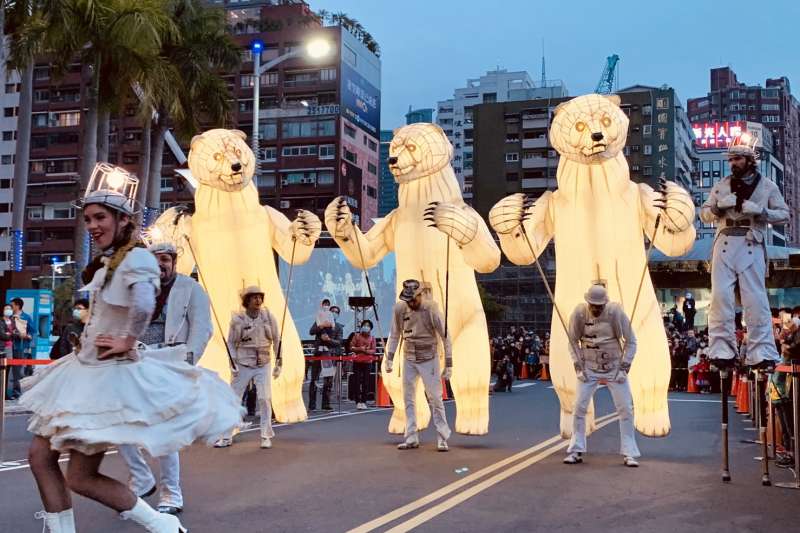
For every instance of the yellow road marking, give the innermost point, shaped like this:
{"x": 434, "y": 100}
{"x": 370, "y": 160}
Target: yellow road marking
{"x": 447, "y": 489}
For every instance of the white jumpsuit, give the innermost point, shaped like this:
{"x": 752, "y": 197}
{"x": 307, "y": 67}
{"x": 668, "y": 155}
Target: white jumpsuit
{"x": 420, "y": 331}
{"x": 739, "y": 255}
{"x": 599, "y": 340}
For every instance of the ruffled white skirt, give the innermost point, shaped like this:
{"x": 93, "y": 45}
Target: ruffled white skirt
{"x": 159, "y": 403}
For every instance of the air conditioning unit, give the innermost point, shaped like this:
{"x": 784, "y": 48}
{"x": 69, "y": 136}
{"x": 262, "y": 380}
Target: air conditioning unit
{"x": 285, "y": 204}
{"x": 308, "y": 181}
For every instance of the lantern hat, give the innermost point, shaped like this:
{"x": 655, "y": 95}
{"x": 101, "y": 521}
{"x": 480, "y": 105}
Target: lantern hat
{"x": 112, "y": 187}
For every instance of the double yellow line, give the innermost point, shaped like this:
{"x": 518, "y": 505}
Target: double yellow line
{"x": 538, "y": 452}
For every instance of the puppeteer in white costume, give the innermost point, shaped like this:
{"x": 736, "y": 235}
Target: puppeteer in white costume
{"x": 431, "y": 211}
{"x": 598, "y": 218}
{"x": 742, "y": 206}
{"x": 602, "y": 346}
{"x": 113, "y": 391}
{"x": 231, "y": 238}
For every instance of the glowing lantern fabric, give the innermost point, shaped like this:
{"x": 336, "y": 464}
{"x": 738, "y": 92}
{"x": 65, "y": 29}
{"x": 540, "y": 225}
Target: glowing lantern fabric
{"x": 598, "y": 218}
{"x": 231, "y": 237}
{"x": 422, "y": 170}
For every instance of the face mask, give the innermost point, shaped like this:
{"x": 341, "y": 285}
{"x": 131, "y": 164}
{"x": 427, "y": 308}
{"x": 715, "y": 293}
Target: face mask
{"x": 77, "y": 314}
{"x": 7, "y": 312}
{"x": 365, "y": 329}
{"x": 335, "y": 314}
{"x": 325, "y": 307}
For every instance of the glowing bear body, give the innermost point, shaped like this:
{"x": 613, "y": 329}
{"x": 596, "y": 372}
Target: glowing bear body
{"x": 231, "y": 237}
{"x": 422, "y": 170}
{"x": 598, "y": 218}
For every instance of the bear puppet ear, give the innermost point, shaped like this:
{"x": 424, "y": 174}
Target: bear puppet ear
{"x": 559, "y": 108}
{"x": 614, "y": 98}
{"x": 195, "y": 139}
{"x": 239, "y": 133}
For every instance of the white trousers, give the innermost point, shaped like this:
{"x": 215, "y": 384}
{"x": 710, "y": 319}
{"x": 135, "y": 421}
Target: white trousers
{"x": 262, "y": 377}
{"x": 431, "y": 375}
{"x": 142, "y": 476}
{"x": 623, "y": 401}
{"x": 736, "y": 259}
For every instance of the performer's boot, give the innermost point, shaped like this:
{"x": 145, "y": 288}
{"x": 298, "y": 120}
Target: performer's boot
{"x": 152, "y": 520}
{"x": 62, "y": 522}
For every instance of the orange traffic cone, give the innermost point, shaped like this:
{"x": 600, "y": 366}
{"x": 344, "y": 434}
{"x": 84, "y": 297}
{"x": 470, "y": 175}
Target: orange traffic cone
{"x": 382, "y": 398}
{"x": 691, "y": 386}
{"x": 524, "y": 372}
{"x": 545, "y": 376}
{"x": 734, "y": 384}
{"x": 743, "y": 396}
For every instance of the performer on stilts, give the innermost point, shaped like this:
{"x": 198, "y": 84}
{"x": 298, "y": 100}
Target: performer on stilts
{"x": 113, "y": 391}
{"x": 182, "y": 317}
{"x": 742, "y": 205}
{"x": 602, "y": 346}
{"x": 418, "y": 325}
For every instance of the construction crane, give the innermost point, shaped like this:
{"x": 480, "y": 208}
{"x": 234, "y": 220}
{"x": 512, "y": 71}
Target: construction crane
{"x": 606, "y": 83}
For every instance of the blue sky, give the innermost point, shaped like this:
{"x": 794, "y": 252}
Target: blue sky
{"x": 430, "y": 47}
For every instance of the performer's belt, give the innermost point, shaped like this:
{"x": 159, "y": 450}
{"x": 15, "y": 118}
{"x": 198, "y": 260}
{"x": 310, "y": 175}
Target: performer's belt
{"x": 734, "y": 232}
{"x": 160, "y": 345}
{"x": 740, "y": 223}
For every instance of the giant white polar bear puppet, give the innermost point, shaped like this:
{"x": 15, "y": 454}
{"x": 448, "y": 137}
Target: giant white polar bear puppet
{"x": 431, "y": 211}
{"x": 598, "y": 218}
{"x": 231, "y": 237}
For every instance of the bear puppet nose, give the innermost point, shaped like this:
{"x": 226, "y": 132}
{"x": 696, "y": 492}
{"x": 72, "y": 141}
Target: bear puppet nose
{"x": 598, "y": 136}
{"x": 236, "y": 167}
{"x": 392, "y": 160}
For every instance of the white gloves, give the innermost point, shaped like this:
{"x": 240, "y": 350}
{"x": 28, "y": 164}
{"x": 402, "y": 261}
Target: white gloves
{"x": 448, "y": 373}
{"x": 751, "y": 208}
{"x": 276, "y": 371}
{"x": 727, "y": 202}
{"x": 389, "y": 366}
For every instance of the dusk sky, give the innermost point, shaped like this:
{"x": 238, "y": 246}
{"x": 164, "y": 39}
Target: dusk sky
{"x": 430, "y": 47}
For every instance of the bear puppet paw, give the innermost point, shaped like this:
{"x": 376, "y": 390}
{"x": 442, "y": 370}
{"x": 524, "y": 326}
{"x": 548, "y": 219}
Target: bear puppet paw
{"x": 339, "y": 219}
{"x": 457, "y": 221}
{"x": 306, "y": 227}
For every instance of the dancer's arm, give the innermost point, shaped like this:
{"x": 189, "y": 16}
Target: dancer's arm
{"x": 140, "y": 310}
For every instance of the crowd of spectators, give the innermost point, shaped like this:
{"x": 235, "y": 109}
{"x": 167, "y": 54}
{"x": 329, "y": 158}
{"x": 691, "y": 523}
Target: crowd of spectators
{"x": 520, "y": 352}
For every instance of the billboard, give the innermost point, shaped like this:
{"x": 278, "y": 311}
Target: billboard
{"x": 361, "y": 101}
{"x": 716, "y": 135}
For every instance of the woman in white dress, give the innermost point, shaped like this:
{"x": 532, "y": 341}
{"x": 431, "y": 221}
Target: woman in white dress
{"x": 111, "y": 392}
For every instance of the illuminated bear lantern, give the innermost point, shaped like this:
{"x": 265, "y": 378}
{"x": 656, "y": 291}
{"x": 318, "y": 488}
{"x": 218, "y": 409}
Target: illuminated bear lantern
{"x": 231, "y": 238}
{"x": 420, "y": 161}
{"x": 599, "y": 219}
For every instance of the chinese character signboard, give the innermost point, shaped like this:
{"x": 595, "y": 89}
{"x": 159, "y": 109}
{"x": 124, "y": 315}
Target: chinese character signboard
{"x": 361, "y": 101}
{"x": 716, "y": 135}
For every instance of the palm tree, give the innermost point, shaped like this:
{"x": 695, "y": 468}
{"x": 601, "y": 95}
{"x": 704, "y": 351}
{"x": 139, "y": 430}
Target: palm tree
{"x": 199, "y": 95}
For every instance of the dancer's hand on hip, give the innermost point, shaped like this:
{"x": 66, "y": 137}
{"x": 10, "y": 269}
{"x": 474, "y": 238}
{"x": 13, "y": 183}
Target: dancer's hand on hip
{"x": 118, "y": 347}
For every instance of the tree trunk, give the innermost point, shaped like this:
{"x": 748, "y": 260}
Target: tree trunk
{"x": 144, "y": 172}
{"x": 103, "y": 129}
{"x": 88, "y": 161}
{"x": 154, "y": 178}
{"x": 22, "y": 167}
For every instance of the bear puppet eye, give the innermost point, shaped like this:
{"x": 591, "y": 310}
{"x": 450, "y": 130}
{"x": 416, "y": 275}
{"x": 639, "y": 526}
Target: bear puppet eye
{"x": 411, "y": 147}
{"x": 238, "y": 153}
{"x": 218, "y": 156}
{"x": 606, "y": 121}
{"x": 580, "y": 126}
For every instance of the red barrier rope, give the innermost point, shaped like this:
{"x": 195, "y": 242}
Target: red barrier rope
{"x": 26, "y": 362}
{"x": 357, "y": 358}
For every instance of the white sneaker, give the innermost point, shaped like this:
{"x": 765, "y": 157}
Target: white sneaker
{"x": 361, "y": 406}
{"x": 223, "y": 443}
{"x": 266, "y": 443}
{"x": 408, "y": 445}
{"x": 630, "y": 461}
{"x": 573, "y": 458}
{"x": 441, "y": 445}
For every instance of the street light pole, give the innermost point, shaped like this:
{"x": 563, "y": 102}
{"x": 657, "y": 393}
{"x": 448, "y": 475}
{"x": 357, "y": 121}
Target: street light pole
{"x": 258, "y": 70}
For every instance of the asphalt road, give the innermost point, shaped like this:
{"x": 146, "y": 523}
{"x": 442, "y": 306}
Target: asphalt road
{"x": 341, "y": 472}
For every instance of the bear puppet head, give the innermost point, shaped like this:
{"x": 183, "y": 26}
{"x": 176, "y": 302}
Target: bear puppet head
{"x": 589, "y": 129}
{"x": 418, "y": 150}
{"x": 222, "y": 159}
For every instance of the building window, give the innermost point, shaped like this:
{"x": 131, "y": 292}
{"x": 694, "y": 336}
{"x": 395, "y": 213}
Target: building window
{"x": 662, "y": 103}
{"x": 5, "y": 183}
{"x": 266, "y": 181}
{"x": 489, "y": 98}
{"x": 268, "y": 154}
{"x": 12, "y": 88}
{"x": 349, "y": 156}
{"x": 267, "y": 130}
{"x": 372, "y": 169}
{"x": 7, "y": 159}
{"x": 647, "y": 109}
{"x": 65, "y": 119}
{"x": 245, "y": 106}
{"x": 647, "y": 130}
{"x": 270, "y": 79}
{"x": 167, "y": 183}
{"x": 350, "y": 131}
{"x": 247, "y": 80}
{"x": 648, "y": 171}
{"x": 770, "y": 118}
{"x": 308, "y": 128}
{"x": 295, "y": 151}
{"x": 5, "y": 208}
{"x": 325, "y": 177}
{"x": 9, "y": 112}
{"x": 130, "y": 159}
{"x": 634, "y": 168}
{"x": 512, "y": 176}
{"x": 635, "y": 148}
{"x": 648, "y": 149}
{"x": 327, "y": 151}
{"x": 39, "y": 120}
{"x": 512, "y": 157}
{"x": 59, "y": 212}
{"x": 35, "y": 213}
{"x": 372, "y": 145}
{"x": 327, "y": 74}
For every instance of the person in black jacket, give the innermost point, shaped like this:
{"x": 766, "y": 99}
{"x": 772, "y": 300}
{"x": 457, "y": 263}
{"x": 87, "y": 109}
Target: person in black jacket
{"x": 327, "y": 343}
{"x": 689, "y": 310}
{"x": 71, "y": 333}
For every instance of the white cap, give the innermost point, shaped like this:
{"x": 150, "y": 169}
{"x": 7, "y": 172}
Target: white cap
{"x": 163, "y": 247}
{"x": 252, "y": 289}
